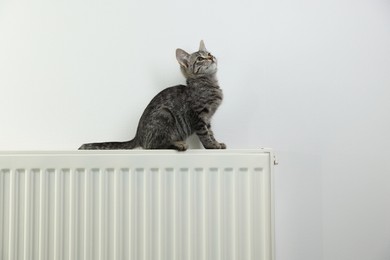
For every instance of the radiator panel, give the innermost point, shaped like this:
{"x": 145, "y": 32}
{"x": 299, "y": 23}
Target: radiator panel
{"x": 141, "y": 205}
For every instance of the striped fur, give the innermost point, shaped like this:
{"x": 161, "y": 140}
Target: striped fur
{"x": 180, "y": 111}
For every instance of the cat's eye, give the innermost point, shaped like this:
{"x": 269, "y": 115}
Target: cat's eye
{"x": 200, "y": 59}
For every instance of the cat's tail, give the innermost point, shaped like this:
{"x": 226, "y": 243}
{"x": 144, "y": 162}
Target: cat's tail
{"x": 111, "y": 145}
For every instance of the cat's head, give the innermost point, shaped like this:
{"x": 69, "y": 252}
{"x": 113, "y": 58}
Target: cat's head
{"x": 200, "y": 63}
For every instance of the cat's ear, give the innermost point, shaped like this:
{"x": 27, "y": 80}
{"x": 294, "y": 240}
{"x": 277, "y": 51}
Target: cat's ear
{"x": 182, "y": 57}
{"x": 202, "y": 47}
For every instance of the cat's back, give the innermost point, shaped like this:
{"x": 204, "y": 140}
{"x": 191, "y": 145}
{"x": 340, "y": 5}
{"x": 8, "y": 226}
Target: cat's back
{"x": 169, "y": 96}
{"x": 166, "y": 107}
{"x": 173, "y": 92}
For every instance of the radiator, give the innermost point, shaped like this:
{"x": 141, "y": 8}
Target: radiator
{"x": 139, "y": 205}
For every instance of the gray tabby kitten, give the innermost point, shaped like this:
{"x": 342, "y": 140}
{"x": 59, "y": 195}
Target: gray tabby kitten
{"x": 180, "y": 111}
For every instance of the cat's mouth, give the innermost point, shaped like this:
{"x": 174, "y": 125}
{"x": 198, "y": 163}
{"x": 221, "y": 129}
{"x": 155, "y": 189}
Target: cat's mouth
{"x": 212, "y": 66}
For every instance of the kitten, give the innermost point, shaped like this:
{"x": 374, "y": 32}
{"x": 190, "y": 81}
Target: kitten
{"x": 180, "y": 111}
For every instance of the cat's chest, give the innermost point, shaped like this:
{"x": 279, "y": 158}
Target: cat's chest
{"x": 214, "y": 102}
{"x": 207, "y": 101}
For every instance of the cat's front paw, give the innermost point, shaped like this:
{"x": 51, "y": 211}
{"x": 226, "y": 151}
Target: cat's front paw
{"x": 215, "y": 145}
{"x": 222, "y": 146}
{"x": 218, "y": 146}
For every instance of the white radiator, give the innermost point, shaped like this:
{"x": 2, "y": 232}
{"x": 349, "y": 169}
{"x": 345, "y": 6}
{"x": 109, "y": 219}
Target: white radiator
{"x": 139, "y": 205}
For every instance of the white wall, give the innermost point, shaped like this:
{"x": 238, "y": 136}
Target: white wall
{"x": 308, "y": 78}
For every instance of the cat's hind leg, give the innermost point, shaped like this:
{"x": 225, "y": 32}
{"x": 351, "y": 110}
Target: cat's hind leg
{"x": 164, "y": 141}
